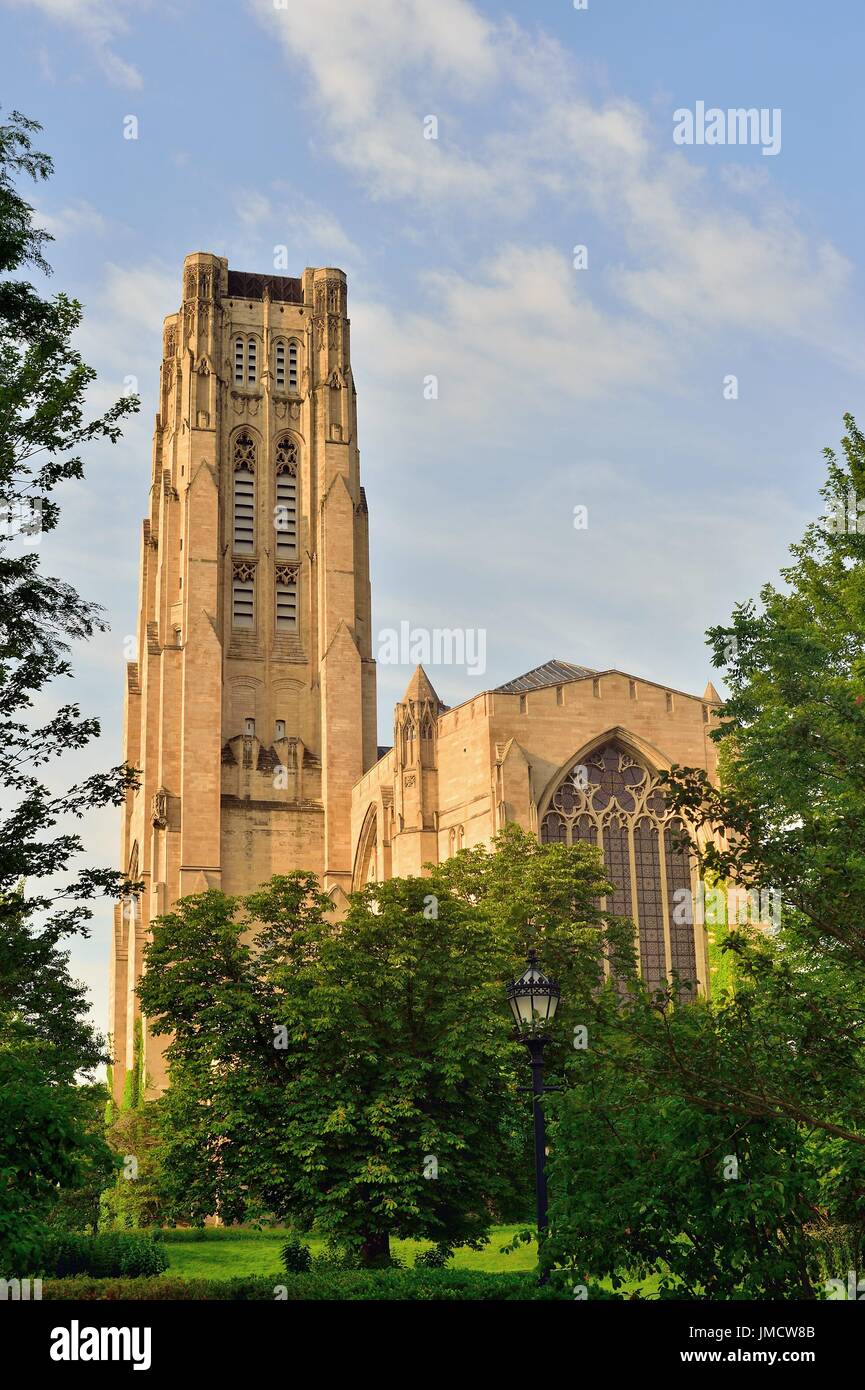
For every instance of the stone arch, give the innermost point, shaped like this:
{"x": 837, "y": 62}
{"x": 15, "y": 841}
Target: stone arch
{"x": 367, "y": 850}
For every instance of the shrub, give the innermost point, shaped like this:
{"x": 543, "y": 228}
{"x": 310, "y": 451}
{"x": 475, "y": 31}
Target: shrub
{"x": 838, "y": 1249}
{"x": 435, "y": 1258}
{"x": 114, "y": 1254}
{"x": 402, "y": 1285}
{"x": 296, "y": 1257}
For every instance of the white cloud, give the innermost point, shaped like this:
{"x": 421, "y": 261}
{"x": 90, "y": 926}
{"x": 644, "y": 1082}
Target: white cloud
{"x": 100, "y": 22}
{"x": 286, "y": 217}
{"x": 77, "y": 217}
{"x": 517, "y": 126}
{"x": 525, "y": 329}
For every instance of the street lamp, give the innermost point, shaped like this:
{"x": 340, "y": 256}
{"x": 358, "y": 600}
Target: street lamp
{"x": 534, "y": 999}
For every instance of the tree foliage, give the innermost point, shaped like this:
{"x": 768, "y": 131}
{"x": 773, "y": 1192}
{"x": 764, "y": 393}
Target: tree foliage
{"x": 46, "y": 1139}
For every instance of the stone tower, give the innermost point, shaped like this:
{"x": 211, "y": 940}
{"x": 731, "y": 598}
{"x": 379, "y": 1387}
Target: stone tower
{"x": 250, "y": 710}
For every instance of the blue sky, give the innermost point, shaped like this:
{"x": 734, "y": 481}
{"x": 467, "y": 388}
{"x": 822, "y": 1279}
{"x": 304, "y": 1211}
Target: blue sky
{"x": 261, "y": 126}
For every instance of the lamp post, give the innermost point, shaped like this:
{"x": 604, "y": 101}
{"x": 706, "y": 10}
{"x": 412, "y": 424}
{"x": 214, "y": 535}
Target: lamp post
{"x": 534, "y": 999}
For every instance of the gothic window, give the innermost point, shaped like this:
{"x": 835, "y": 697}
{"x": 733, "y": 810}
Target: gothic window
{"x": 239, "y": 358}
{"x": 408, "y": 740}
{"x": 280, "y": 366}
{"x": 293, "y": 366}
{"x": 427, "y": 741}
{"x": 251, "y": 372}
{"x": 286, "y": 598}
{"x": 243, "y": 595}
{"x": 244, "y": 492}
{"x": 285, "y": 514}
{"x": 611, "y": 799}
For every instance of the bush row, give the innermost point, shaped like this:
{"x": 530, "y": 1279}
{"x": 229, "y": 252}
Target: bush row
{"x": 114, "y": 1254}
{"x": 403, "y": 1285}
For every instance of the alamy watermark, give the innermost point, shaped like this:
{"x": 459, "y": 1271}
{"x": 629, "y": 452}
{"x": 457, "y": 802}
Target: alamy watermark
{"x": 719, "y": 906}
{"x": 437, "y": 646}
{"x": 736, "y": 126}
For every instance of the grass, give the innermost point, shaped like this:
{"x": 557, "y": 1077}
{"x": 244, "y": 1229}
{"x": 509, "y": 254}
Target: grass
{"x": 219, "y": 1253}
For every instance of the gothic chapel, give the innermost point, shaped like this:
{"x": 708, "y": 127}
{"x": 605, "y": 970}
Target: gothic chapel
{"x": 251, "y": 708}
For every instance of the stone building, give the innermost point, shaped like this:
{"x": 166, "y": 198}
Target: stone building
{"x": 251, "y": 707}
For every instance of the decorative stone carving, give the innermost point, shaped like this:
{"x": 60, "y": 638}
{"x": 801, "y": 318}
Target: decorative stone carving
{"x": 159, "y": 809}
{"x": 244, "y": 452}
{"x": 286, "y": 457}
{"x": 244, "y": 570}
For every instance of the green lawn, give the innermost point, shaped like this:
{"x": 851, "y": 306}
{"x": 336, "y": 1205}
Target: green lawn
{"x": 222, "y": 1255}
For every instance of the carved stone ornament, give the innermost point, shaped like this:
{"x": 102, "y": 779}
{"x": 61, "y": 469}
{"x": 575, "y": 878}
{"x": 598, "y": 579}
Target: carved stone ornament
{"x": 286, "y": 457}
{"x": 159, "y": 809}
{"x": 244, "y": 452}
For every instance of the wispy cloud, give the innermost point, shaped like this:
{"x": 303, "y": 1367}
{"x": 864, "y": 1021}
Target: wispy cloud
{"x": 100, "y": 23}
{"x": 518, "y": 128}
{"x": 72, "y": 220}
{"x": 283, "y": 216}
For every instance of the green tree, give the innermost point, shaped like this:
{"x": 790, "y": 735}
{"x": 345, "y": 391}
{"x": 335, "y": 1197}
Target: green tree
{"x": 326, "y": 1070}
{"x": 788, "y": 816}
{"x": 45, "y": 1039}
{"x": 654, "y": 1174}
{"x": 769, "y": 1069}
{"x": 357, "y": 1074}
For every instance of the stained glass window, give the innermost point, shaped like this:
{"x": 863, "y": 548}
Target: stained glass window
{"x": 613, "y": 799}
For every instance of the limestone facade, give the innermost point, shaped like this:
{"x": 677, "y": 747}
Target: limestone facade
{"x": 565, "y": 752}
{"x": 250, "y": 708}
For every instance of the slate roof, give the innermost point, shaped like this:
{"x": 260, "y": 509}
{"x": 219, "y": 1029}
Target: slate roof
{"x": 245, "y": 284}
{"x": 551, "y": 673}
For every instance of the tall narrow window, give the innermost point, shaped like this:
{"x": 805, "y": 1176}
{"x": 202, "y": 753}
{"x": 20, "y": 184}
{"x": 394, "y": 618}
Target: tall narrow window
{"x": 280, "y": 365}
{"x": 285, "y": 512}
{"x": 243, "y": 596}
{"x": 244, "y": 493}
{"x": 238, "y": 361}
{"x": 293, "y": 375}
{"x": 286, "y": 598}
{"x": 251, "y": 373}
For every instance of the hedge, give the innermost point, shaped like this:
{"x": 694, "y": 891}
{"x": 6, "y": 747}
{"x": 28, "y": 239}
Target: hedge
{"x": 114, "y": 1254}
{"x": 403, "y": 1285}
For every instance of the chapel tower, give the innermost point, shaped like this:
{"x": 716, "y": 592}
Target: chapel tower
{"x": 250, "y": 709}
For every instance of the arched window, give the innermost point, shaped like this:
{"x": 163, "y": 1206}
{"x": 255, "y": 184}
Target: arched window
{"x": 427, "y": 741}
{"x": 279, "y": 366}
{"x": 293, "y": 366}
{"x": 612, "y": 799}
{"x": 244, "y": 493}
{"x": 243, "y": 595}
{"x": 286, "y": 598}
{"x": 285, "y": 511}
{"x": 245, "y": 361}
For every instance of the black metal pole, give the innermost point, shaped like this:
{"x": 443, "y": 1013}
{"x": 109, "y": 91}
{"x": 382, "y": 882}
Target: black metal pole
{"x": 536, "y": 1057}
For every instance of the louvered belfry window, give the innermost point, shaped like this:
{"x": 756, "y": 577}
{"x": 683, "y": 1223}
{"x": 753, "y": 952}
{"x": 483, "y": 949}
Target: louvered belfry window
{"x": 285, "y": 512}
{"x": 243, "y": 595}
{"x": 286, "y": 598}
{"x": 244, "y": 493}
